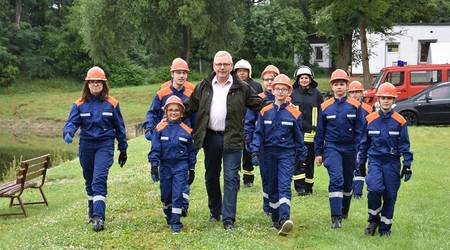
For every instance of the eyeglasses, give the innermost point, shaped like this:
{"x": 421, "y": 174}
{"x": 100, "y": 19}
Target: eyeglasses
{"x": 173, "y": 110}
{"x": 95, "y": 83}
{"x": 222, "y": 65}
{"x": 268, "y": 79}
{"x": 282, "y": 90}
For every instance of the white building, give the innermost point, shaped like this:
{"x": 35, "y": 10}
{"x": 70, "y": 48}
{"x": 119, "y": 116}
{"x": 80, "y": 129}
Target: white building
{"x": 409, "y": 43}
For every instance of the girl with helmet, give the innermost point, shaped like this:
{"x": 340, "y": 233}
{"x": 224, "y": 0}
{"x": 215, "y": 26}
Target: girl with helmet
{"x": 356, "y": 91}
{"x": 268, "y": 75}
{"x": 279, "y": 133}
{"x": 172, "y": 158}
{"x": 307, "y": 98}
{"x": 335, "y": 144}
{"x": 99, "y": 117}
{"x": 384, "y": 140}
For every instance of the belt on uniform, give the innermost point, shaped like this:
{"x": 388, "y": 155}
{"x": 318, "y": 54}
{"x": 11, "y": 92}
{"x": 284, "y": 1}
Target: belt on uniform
{"x": 216, "y": 132}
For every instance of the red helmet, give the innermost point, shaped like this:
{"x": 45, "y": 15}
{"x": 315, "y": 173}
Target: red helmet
{"x": 339, "y": 74}
{"x": 355, "y": 86}
{"x": 95, "y": 73}
{"x": 283, "y": 80}
{"x": 270, "y": 68}
{"x": 179, "y": 64}
{"x": 174, "y": 100}
{"x": 387, "y": 89}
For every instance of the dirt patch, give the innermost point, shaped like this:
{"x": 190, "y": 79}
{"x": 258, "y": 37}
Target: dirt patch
{"x": 46, "y": 128}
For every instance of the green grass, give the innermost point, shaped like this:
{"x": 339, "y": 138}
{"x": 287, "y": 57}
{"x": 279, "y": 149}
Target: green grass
{"x": 134, "y": 216}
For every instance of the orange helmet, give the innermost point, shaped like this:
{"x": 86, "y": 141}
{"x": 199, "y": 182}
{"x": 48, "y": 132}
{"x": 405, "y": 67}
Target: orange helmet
{"x": 95, "y": 73}
{"x": 387, "y": 89}
{"x": 355, "y": 86}
{"x": 179, "y": 64}
{"x": 339, "y": 74}
{"x": 283, "y": 80}
{"x": 270, "y": 68}
{"x": 174, "y": 100}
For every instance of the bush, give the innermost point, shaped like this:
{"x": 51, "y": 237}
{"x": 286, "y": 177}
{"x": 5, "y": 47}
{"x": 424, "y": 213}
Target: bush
{"x": 158, "y": 74}
{"x": 8, "y": 67}
{"x": 126, "y": 73}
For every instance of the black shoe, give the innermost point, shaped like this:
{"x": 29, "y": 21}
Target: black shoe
{"x": 336, "y": 222}
{"x": 248, "y": 184}
{"x": 286, "y": 227}
{"x": 176, "y": 231}
{"x": 184, "y": 212}
{"x": 344, "y": 215}
{"x": 99, "y": 224}
{"x": 308, "y": 192}
{"x": 228, "y": 225}
{"x": 385, "y": 234}
{"x": 90, "y": 221}
{"x": 371, "y": 229}
{"x": 213, "y": 218}
{"x": 301, "y": 192}
{"x": 357, "y": 196}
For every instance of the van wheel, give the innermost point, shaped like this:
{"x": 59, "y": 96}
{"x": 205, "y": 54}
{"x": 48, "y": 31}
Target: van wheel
{"x": 411, "y": 118}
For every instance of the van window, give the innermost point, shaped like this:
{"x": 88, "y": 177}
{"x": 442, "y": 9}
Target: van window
{"x": 425, "y": 77}
{"x": 396, "y": 78}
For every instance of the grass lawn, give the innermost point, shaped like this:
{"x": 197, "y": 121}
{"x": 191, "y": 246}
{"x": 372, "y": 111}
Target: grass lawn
{"x": 134, "y": 216}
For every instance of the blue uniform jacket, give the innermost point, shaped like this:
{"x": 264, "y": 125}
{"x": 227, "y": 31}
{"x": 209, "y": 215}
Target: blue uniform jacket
{"x": 385, "y": 134}
{"x": 99, "y": 120}
{"x": 340, "y": 122}
{"x": 156, "y": 111}
{"x": 252, "y": 116}
{"x": 281, "y": 127}
{"x": 171, "y": 143}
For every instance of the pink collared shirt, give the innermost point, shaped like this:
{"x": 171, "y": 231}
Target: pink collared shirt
{"x": 218, "y": 112}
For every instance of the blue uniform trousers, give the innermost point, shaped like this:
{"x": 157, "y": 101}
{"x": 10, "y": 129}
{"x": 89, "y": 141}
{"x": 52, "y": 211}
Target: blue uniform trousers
{"x": 265, "y": 182}
{"x": 172, "y": 182}
{"x": 340, "y": 162}
{"x": 280, "y": 168}
{"x": 383, "y": 182}
{"x": 358, "y": 182}
{"x": 96, "y": 158}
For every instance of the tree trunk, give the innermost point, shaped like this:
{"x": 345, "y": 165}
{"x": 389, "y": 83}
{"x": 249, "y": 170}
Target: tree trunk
{"x": 187, "y": 43}
{"x": 344, "y": 51}
{"x": 18, "y": 13}
{"x": 364, "y": 49}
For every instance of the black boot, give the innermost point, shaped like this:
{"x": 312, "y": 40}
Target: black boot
{"x": 371, "y": 228}
{"x": 336, "y": 222}
{"x": 99, "y": 224}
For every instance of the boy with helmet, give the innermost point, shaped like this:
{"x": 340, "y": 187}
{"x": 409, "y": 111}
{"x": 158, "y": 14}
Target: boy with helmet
{"x": 180, "y": 87}
{"x": 98, "y": 116}
{"x": 335, "y": 144}
{"x": 356, "y": 91}
{"x": 384, "y": 140}
{"x": 244, "y": 71}
{"x": 172, "y": 158}
{"x": 307, "y": 98}
{"x": 279, "y": 133}
{"x": 268, "y": 75}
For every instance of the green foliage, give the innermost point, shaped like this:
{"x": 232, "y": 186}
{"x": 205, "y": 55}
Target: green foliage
{"x": 126, "y": 73}
{"x": 8, "y": 68}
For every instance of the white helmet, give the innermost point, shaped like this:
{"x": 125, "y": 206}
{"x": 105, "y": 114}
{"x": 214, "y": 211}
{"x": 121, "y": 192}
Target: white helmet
{"x": 304, "y": 70}
{"x": 244, "y": 64}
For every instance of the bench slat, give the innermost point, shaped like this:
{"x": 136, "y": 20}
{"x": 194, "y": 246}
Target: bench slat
{"x": 37, "y": 166}
{"x": 35, "y": 174}
{"x": 37, "y": 159}
{"x": 6, "y": 186}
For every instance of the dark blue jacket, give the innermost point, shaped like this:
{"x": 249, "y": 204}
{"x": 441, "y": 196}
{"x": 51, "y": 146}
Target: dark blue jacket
{"x": 171, "y": 143}
{"x": 99, "y": 120}
{"x": 252, "y": 116}
{"x": 340, "y": 123}
{"x": 281, "y": 127}
{"x": 385, "y": 134}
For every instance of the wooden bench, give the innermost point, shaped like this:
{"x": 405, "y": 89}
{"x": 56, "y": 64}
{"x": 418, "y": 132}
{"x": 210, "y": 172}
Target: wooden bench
{"x": 31, "y": 174}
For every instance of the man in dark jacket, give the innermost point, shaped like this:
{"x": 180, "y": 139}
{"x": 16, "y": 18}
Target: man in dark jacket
{"x": 220, "y": 103}
{"x": 307, "y": 98}
{"x": 244, "y": 71}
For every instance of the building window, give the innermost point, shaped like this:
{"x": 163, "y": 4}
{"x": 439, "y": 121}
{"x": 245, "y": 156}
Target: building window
{"x": 392, "y": 47}
{"x": 425, "y": 77}
{"x": 318, "y": 51}
{"x": 424, "y": 48}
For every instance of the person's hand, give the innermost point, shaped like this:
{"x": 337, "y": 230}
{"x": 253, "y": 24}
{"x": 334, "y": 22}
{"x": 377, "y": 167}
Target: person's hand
{"x": 68, "y": 138}
{"x": 318, "y": 160}
{"x": 155, "y": 173}
{"x": 255, "y": 159}
{"x": 148, "y": 134}
{"x": 191, "y": 176}
{"x": 122, "y": 158}
{"x": 362, "y": 170}
{"x": 406, "y": 172}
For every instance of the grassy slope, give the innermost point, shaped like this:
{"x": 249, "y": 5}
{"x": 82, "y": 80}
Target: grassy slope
{"x": 134, "y": 217}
